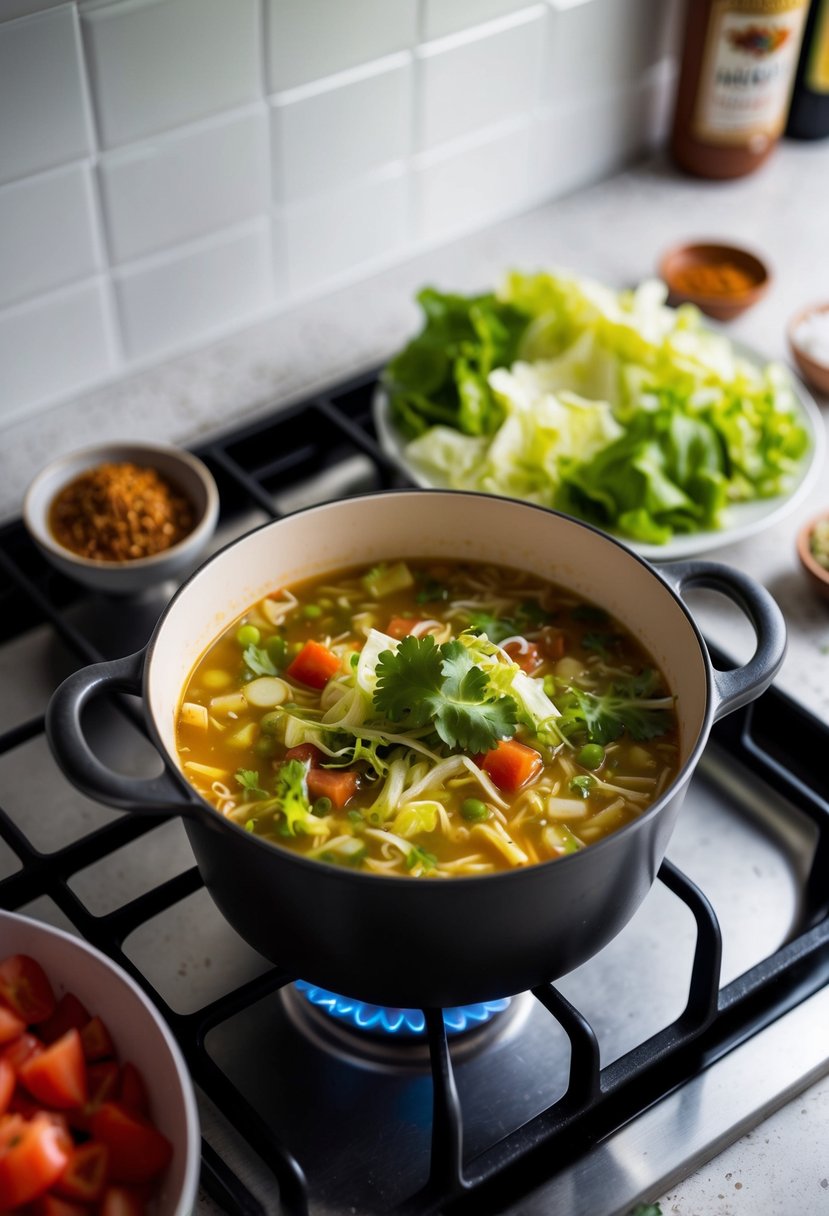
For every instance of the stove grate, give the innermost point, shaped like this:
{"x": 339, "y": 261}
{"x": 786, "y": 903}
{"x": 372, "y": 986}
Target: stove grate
{"x": 776, "y": 738}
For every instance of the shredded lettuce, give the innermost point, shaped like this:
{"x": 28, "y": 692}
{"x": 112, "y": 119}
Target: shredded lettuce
{"x": 608, "y": 405}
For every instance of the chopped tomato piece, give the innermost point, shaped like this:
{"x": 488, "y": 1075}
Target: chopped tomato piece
{"x": 314, "y": 665}
{"x": 33, "y": 1155}
{"x": 132, "y": 1091}
{"x": 96, "y": 1041}
{"x": 22, "y": 1103}
{"x": 69, "y": 1014}
{"x": 53, "y": 1205}
{"x": 121, "y": 1201}
{"x": 85, "y": 1175}
{"x": 8, "y": 1080}
{"x": 401, "y": 626}
{"x": 11, "y": 1026}
{"x": 25, "y": 986}
{"x": 56, "y": 1076}
{"x": 340, "y": 785}
{"x": 102, "y": 1082}
{"x": 138, "y": 1151}
{"x": 525, "y": 654}
{"x": 306, "y": 752}
{"x": 22, "y": 1049}
{"x": 510, "y": 765}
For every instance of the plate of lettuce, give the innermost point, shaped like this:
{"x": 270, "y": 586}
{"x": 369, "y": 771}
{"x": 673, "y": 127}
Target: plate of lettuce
{"x": 607, "y": 405}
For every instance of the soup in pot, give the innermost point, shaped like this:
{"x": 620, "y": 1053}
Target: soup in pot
{"x": 428, "y": 720}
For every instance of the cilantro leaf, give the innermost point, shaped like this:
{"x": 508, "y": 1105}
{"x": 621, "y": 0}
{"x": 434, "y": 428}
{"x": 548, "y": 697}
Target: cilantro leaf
{"x": 422, "y": 683}
{"x": 248, "y": 778}
{"x": 582, "y": 785}
{"x": 627, "y": 706}
{"x": 257, "y": 660}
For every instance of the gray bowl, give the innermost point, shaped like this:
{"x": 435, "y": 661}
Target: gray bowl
{"x": 182, "y": 469}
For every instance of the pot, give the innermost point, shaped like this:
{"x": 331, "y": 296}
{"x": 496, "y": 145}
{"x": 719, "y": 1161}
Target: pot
{"x": 414, "y": 942}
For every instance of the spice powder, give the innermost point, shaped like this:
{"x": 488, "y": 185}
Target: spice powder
{"x": 120, "y": 512}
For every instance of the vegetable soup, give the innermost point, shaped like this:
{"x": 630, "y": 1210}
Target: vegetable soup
{"x": 426, "y": 719}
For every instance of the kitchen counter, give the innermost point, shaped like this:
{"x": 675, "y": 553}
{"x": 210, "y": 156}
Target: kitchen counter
{"x": 614, "y": 231}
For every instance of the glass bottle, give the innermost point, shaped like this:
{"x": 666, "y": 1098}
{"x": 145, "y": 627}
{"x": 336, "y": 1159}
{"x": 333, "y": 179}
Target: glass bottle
{"x": 738, "y": 65}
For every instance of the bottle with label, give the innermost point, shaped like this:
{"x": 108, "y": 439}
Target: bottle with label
{"x": 738, "y": 67}
{"x": 809, "y": 113}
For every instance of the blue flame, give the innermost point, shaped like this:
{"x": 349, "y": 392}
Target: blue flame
{"x": 379, "y": 1019}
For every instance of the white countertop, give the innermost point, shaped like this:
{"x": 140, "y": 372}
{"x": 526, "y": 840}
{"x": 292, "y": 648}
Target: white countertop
{"x": 614, "y": 231}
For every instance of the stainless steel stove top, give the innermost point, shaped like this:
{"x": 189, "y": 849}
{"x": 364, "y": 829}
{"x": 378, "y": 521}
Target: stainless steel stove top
{"x": 673, "y": 1089}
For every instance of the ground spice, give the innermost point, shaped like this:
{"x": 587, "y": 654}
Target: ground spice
{"x": 119, "y": 512}
{"x": 712, "y": 279}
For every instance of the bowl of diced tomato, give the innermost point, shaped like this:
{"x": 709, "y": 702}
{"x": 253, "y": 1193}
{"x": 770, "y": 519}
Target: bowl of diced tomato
{"x": 97, "y": 1112}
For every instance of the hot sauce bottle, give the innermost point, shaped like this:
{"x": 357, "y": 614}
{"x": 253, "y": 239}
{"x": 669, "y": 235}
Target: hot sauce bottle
{"x": 738, "y": 66}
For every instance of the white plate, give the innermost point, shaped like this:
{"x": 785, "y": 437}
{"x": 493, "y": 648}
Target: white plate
{"x": 739, "y": 522}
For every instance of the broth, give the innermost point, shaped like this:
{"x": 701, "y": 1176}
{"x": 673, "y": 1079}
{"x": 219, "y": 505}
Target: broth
{"x": 429, "y": 720}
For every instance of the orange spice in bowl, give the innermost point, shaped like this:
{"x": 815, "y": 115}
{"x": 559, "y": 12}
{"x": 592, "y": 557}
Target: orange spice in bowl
{"x": 721, "y": 280}
{"x": 119, "y": 512}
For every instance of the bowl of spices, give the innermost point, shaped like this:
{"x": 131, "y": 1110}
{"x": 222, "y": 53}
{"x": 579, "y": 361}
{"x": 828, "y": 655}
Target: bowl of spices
{"x": 121, "y": 517}
{"x": 813, "y": 551}
{"x": 722, "y": 280}
{"x": 809, "y": 342}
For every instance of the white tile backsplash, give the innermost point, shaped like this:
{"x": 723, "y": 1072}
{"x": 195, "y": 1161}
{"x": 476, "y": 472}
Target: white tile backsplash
{"x": 184, "y": 185}
{"x": 156, "y": 63}
{"x": 52, "y": 213}
{"x": 442, "y": 17}
{"x": 310, "y": 39}
{"x": 172, "y": 168}
{"x": 358, "y": 225}
{"x": 52, "y": 345}
{"x": 350, "y": 124}
{"x": 600, "y": 46}
{"x": 43, "y": 119}
{"x": 472, "y": 81}
{"x": 462, "y": 188}
{"x": 172, "y": 301}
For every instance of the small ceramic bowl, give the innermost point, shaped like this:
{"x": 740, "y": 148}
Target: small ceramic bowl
{"x": 687, "y": 269}
{"x": 140, "y": 1035}
{"x": 817, "y": 574}
{"x": 813, "y": 369}
{"x": 185, "y": 472}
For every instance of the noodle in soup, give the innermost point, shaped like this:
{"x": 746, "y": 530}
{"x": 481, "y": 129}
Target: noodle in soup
{"x": 428, "y": 720}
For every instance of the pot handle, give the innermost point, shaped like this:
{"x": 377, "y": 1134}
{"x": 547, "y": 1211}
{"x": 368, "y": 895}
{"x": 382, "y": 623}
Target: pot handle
{"x": 737, "y": 687}
{"x": 71, "y": 749}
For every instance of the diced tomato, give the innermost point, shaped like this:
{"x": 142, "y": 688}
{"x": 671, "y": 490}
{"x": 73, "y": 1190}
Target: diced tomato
{"x": 525, "y": 654}
{"x": 510, "y": 765}
{"x": 32, "y": 1156}
{"x": 132, "y": 1091}
{"x": 11, "y": 1026}
{"x": 69, "y": 1014}
{"x": 96, "y": 1041}
{"x": 401, "y": 626}
{"x": 53, "y": 1205}
{"x": 340, "y": 785}
{"x": 22, "y": 1103}
{"x": 314, "y": 665}
{"x": 306, "y": 752}
{"x": 138, "y": 1151}
{"x": 25, "y": 986}
{"x": 8, "y": 1080}
{"x": 121, "y": 1201}
{"x": 20, "y": 1050}
{"x": 56, "y": 1076}
{"x": 85, "y": 1175}
{"x": 102, "y": 1081}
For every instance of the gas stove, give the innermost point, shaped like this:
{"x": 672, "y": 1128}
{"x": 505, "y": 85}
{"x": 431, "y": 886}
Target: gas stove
{"x": 585, "y": 1096}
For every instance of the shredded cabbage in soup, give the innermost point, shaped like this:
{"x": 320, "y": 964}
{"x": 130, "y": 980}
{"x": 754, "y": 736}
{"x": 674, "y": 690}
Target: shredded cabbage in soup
{"x": 429, "y": 720}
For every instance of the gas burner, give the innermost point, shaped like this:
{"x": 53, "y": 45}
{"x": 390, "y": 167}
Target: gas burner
{"x": 387, "y": 1038}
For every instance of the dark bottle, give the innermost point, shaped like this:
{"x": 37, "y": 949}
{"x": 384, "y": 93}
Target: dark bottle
{"x": 809, "y": 113}
{"x": 738, "y": 65}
